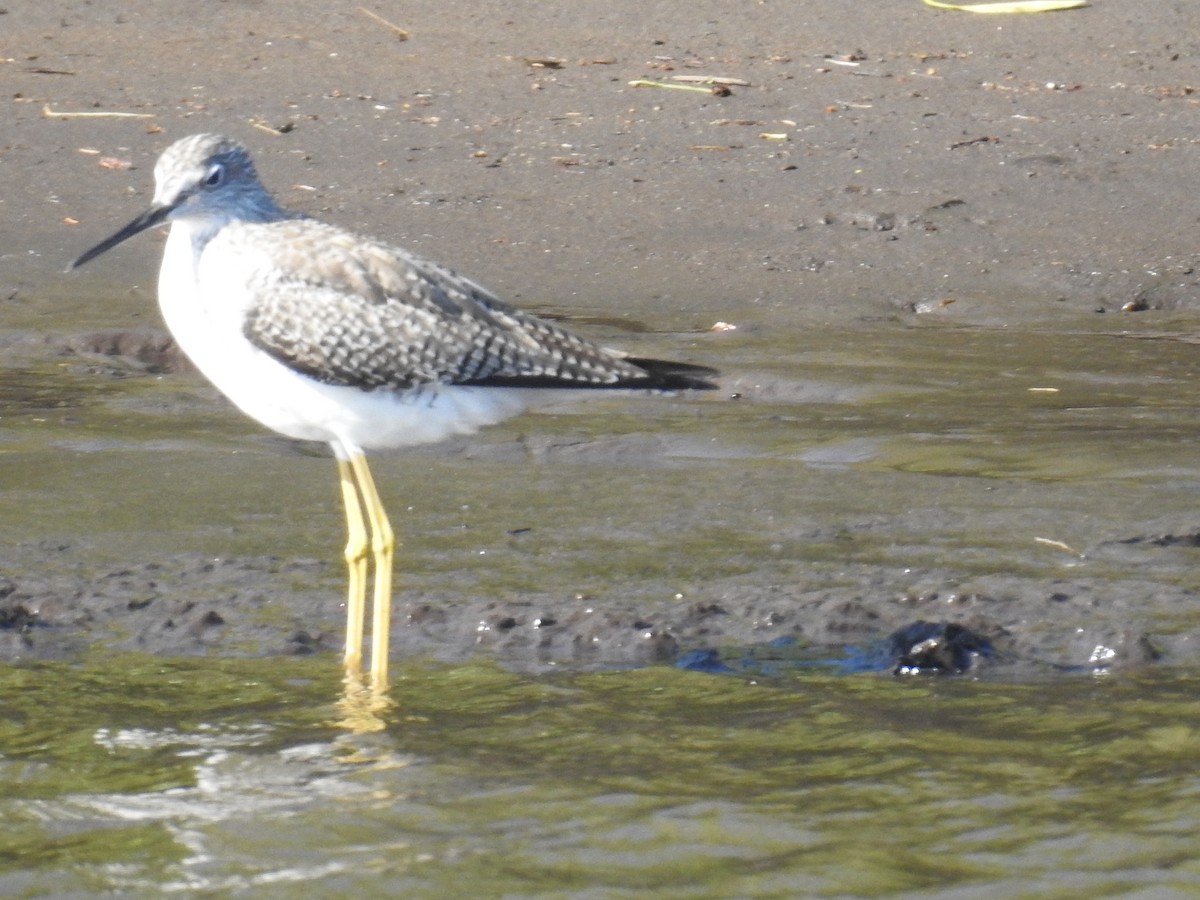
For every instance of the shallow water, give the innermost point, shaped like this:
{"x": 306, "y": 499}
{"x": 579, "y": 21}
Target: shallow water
{"x": 870, "y": 465}
{"x": 142, "y": 775}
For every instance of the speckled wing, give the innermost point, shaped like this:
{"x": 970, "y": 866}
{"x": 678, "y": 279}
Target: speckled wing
{"x": 353, "y": 312}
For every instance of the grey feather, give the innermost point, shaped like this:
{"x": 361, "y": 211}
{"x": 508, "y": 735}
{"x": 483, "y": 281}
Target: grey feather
{"x": 376, "y": 317}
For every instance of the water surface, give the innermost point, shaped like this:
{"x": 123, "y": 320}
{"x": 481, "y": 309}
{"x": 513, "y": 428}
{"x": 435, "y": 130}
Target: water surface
{"x": 234, "y": 776}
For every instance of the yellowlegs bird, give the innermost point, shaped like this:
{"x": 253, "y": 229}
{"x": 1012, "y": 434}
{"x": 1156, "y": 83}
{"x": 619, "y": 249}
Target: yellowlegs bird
{"x": 323, "y": 335}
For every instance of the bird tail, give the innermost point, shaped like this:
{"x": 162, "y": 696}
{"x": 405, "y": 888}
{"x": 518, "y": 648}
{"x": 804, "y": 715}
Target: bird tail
{"x": 665, "y": 375}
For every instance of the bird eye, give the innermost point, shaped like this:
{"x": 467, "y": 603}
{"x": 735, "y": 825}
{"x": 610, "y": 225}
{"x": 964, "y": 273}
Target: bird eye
{"x": 215, "y": 177}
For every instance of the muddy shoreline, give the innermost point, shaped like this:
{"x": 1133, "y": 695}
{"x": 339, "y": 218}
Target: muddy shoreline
{"x": 921, "y": 172}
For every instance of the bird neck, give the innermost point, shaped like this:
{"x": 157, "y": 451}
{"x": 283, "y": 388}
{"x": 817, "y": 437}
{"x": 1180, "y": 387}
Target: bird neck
{"x": 201, "y": 224}
{"x": 254, "y": 204}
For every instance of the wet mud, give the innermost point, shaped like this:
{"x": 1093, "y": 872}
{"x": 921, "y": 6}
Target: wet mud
{"x": 959, "y": 268}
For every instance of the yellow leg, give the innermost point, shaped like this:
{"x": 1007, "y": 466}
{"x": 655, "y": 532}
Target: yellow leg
{"x": 383, "y": 548}
{"x": 356, "y": 563}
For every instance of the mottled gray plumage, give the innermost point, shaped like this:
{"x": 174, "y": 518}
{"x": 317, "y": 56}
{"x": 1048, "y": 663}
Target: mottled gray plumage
{"x": 323, "y": 335}
{"x": 362, "y": 314}
{"x": 347, "y": 310}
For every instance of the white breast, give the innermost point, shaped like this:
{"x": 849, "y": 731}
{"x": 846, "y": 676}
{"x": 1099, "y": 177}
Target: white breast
{"x": 204, "y": 304}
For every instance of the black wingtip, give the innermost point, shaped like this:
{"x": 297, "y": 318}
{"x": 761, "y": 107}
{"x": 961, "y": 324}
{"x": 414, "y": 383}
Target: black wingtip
{"x": 648, "y": 375}
{"x": 665, "y": 375}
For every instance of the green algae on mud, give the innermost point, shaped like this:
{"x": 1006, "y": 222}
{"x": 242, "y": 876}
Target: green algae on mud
{"x": 862, "y": 478}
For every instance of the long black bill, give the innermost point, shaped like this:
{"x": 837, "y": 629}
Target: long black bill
{"x": 148, "y": 219}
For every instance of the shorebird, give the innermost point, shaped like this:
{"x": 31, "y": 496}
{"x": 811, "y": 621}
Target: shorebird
{"x": 324, "y": 335}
